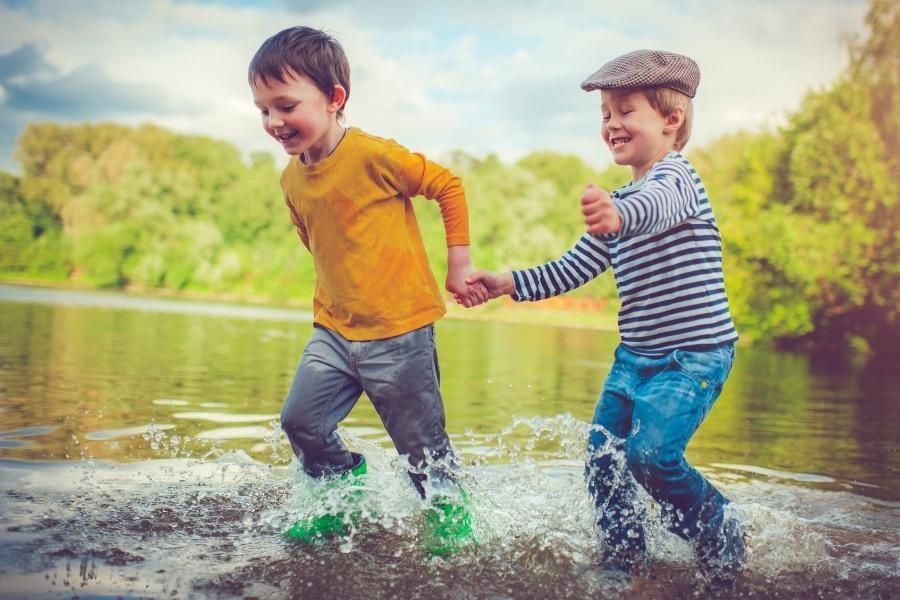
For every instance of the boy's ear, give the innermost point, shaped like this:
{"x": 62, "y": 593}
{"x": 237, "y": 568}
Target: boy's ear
{"x": 674, "y": 121}
{"x": 338, "y": 97}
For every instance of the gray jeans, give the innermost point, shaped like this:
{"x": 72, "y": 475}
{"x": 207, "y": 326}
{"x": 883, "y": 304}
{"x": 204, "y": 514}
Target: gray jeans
{"x": 400, "y": 375}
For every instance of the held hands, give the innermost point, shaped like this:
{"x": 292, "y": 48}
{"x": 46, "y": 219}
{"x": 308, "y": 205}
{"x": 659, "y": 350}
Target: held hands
{"x": 600, "y": 214}
{"x": 459, "y": 266}
{"x": 464, "y": 293}
{"x": 495, "y": 284}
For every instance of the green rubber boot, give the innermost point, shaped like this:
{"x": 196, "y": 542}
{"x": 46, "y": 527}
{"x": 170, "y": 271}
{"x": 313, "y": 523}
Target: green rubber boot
{"x": 317, "y": 527}
{"x": 449, "y": 525}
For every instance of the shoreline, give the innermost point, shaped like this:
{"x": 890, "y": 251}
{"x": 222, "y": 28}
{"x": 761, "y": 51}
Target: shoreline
{"x": 600, "y": 317}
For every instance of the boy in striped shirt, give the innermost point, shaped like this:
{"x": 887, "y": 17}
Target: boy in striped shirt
{"x": 659, "y": 235}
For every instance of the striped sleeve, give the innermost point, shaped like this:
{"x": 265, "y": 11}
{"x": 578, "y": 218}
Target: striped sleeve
{"x": 586, "y": 260}
{"x": 668, "y": 197}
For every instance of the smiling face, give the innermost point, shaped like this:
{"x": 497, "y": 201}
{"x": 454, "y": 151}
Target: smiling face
{"x": 297, "y": 114}
{"x": 635, "y": 132}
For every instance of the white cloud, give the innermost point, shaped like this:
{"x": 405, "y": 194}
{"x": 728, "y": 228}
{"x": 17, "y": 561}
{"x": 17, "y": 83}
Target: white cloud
{"x": 437, "y": 77}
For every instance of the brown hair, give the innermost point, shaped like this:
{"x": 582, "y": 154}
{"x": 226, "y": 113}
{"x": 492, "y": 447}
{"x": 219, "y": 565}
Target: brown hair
{"x": 666, "y": 100}
{"x": 302, "y": 51}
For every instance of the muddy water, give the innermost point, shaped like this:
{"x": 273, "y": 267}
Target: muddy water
{"x": 140, "y": 456}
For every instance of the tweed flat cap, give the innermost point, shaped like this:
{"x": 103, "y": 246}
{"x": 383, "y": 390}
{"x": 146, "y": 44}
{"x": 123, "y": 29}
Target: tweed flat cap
{"x": 647, "y": 68}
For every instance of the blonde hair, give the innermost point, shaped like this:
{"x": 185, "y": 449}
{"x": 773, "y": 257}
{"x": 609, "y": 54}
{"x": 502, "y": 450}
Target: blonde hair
{"x": 665, "y": 101}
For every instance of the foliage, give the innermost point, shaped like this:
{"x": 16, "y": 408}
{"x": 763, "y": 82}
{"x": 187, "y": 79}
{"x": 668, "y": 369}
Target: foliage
{"x": 808, "y": 212}
{"x": 144, "y": 207}
{"x": 766, "y": 277}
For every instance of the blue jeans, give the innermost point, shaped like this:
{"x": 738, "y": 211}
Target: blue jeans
{"x": 400, "y": 375}
{"x": 647, "y": 412}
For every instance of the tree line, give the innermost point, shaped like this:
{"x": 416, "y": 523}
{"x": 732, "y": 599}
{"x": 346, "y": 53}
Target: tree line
{"x": 808, "y": 211}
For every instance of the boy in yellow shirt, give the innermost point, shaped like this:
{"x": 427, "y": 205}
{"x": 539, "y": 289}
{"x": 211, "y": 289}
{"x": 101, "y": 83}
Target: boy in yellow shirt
{"x": 376, "y": 299}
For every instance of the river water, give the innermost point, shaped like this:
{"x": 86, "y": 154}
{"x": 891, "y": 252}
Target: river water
{"x": 140, "y": 456}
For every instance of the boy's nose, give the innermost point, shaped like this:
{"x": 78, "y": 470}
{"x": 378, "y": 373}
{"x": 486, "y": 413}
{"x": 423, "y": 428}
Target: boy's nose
{"x": 274, "y": 121}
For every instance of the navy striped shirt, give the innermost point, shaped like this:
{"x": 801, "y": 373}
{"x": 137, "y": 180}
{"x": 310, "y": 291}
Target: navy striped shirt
{"x": 667, "y": 261}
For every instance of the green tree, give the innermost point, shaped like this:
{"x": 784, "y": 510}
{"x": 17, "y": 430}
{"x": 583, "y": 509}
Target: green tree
{"x": 15, "y": 226}
{"x": 838, "y": 173}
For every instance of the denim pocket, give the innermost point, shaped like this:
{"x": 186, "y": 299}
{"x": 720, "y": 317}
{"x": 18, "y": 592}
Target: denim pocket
{"x": 708, "y": 368}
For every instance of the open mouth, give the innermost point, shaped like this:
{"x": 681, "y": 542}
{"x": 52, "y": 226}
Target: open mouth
{"x": 284, "y": 137}
{"x": 620, "y": 141}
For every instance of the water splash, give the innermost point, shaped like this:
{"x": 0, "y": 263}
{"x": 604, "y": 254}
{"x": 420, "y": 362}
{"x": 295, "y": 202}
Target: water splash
{"x": 209, "y": 524}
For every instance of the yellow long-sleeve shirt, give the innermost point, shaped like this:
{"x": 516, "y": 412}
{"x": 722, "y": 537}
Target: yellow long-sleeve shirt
{"x": 352, "y": 210}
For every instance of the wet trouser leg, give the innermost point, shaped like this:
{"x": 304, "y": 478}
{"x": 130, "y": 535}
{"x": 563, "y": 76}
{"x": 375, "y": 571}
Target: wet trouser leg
{"x": 401, "y": 377}
{"x": 656, "y": 404}
{"x": 324, "y": 390}
{"x": 670, "y": 404}
{"x": 610, "y": 483}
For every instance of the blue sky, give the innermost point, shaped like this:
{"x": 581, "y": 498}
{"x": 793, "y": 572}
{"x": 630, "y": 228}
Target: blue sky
{"x": 477, "y": 76}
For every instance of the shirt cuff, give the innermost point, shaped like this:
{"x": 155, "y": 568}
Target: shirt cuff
{"x": 519, "y": 281}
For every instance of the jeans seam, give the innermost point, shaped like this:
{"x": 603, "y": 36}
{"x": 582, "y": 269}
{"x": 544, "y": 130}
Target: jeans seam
{"x": 436, "y": 402}
{"x": 432, "y": 368}
{"x": 328, "y": 406}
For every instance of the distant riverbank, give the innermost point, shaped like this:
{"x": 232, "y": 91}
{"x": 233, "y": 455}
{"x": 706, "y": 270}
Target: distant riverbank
{"x": 563, "y": 311}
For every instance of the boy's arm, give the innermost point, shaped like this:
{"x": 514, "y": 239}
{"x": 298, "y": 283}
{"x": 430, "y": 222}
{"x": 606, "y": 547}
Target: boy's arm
{"x": 442, "y": 186}
{"x": 668, "y": 197}
{"x": 586, "y": 260}
{"x": 446, "y": 189}
{"x": 415, "y": 175}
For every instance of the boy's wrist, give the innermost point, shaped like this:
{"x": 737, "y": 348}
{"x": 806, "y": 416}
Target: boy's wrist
{"x": 508, "y": 283}
{"x": 620, "y": 213}
{"x": 458, "y": 257}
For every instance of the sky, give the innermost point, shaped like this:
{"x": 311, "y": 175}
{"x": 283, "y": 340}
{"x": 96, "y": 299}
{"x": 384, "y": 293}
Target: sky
{"x": 481, "y": 76}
